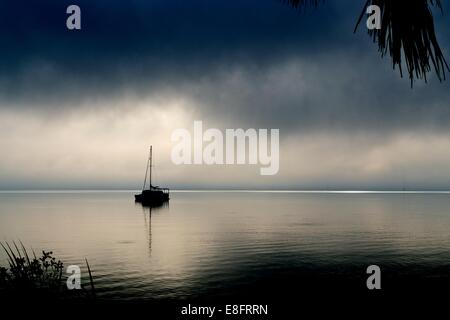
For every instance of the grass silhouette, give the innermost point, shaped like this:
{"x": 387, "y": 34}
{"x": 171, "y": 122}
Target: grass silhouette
{"x": 37, "y": 278}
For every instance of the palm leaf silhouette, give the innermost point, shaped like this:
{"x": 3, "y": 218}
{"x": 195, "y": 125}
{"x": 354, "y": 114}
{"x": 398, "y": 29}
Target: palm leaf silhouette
{"x": 407, "y": 33}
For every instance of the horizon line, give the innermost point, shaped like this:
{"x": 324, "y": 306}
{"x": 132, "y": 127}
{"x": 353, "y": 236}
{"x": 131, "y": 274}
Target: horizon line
{"x": 300, "y": 191}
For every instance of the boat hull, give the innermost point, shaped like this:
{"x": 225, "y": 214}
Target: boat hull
{"x": 152, "y": 197}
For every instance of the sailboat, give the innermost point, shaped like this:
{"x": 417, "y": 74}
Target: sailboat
{"x": 154, "y": 195}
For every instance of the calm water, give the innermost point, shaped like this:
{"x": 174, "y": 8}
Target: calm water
{"x": 221, "y": 243}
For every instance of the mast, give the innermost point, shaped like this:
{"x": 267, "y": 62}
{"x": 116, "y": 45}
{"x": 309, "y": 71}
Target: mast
{"x": 150, "y": 167}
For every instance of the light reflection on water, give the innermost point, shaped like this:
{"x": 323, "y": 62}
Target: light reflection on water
{"x": 206, "y": 243}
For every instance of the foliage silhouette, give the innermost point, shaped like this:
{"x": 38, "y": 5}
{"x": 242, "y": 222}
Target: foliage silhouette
{"x": 36, "y": 278}
{"x": 407, "y": 33}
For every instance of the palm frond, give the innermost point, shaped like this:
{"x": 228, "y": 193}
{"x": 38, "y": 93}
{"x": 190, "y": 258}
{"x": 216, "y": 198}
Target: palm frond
{"x": 407, "y": 33}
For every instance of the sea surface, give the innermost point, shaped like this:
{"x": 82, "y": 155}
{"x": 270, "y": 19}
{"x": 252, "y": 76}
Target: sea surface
{"x": 227, "y": 244}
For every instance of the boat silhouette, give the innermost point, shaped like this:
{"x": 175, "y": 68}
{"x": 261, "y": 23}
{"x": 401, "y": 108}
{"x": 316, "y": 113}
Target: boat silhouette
{"x": 154, "y": 195}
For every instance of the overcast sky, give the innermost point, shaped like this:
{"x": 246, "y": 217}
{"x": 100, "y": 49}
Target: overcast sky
{"x": 78, "y": 109}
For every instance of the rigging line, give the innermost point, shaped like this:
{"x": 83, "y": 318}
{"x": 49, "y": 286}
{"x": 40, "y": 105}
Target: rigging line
{"x": 146, "y": 172}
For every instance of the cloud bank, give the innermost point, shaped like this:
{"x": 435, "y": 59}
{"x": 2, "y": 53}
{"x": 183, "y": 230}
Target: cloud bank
{"x": 86, "y": 105}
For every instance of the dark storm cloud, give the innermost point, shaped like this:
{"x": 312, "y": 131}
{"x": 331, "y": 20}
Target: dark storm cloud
{"x": 144, "y": 44}
{"x": 341, "y": 93}
{"x": 257, "y": 61}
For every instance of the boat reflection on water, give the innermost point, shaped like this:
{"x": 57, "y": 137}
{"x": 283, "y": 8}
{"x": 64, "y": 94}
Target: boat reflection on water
{"x": 148, "y": 210}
